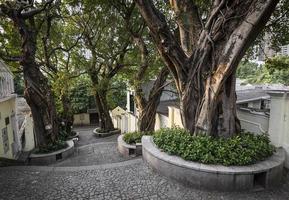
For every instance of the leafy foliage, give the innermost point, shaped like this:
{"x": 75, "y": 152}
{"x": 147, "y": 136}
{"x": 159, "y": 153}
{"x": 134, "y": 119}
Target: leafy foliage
{"x": 18, "y": 84}
{"x": 277, "y": 27}
{"x": 275, "y": 70}
{"x": 244, "y": 149}
{"x": 116, "y": 95}
{"x": 51, "y": 147}
{"x": 249, "y": 71}
{"x": 135, "y": 137}
{"x": 81, "y": 96}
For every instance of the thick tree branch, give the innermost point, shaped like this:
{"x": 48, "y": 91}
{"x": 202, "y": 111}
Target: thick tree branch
{"x": 33, "y": 12}
{"x": 164, "y": 38}
{"x": 189, "y": 23}
{"x": 259, "y": 12}
{"x": 10, "y": 58}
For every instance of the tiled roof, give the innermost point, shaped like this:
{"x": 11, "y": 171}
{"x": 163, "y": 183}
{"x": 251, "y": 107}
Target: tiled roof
{"x": 251, "y": 95}
{"x": 242, "y": 96}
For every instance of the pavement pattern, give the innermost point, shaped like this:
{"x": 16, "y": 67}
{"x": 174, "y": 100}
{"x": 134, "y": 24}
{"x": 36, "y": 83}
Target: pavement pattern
{"x": 117, "y": 179}
{"x": 87, "y": 137}
{"x": 94, "y": 154}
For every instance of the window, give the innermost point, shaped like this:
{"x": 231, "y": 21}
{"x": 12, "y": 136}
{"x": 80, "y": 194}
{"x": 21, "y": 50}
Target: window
{"x": 262, "y": 104}
{"x": 7, "y": 121}
{"x": 131, "y": 103}
{"x": 5, "y": 140}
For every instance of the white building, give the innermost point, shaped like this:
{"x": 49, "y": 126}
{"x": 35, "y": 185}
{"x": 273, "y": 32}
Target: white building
{"x": 16, "y": 124}
{"x": 10, "y": 145}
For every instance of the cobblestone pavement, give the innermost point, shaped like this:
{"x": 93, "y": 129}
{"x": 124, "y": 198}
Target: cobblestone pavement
{"x": 126, "y": 180}
{"x": 86, "y": 136}
{"x": 97, "y": 171}
{"x": 92, "y": 150}
{"x": 94, "y": 154}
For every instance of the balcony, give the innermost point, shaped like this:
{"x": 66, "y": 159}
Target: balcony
{"x": 6, "y": 81}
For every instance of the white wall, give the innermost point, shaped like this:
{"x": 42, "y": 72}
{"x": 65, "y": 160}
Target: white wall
{"x": 174, "y": 117}
{"x": 29, "y": 134}
{"x": 126, "y": 122}
{"x": 81, "y": 119}
{"x": 162, "y": 121}
{"x": 8, "y": 136}
{"x": 132, "y": 123}
{"x": 279, "y": 121}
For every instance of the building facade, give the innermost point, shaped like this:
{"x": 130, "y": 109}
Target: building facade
{"x": 10, "y": 146}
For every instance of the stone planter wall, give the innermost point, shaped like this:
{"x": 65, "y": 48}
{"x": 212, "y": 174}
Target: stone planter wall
{"x": 265, "y": 174}
{"x": 74, "y": 136}
{"x": 106, "y": 134}
{"x": 128, "y": 150}
{"x": 49, "y": 158}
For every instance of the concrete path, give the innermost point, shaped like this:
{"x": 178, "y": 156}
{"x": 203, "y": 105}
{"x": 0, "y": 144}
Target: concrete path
{"x": 98, "y": 172}
{"x": 87, "y": 137}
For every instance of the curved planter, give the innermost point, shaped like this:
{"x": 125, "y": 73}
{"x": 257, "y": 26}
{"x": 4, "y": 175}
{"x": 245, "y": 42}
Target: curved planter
{"x": 49, "y": 158}
{"x": 106, "y": 134}
{"x": 74, "y": 136}
{"x": 265, "y": 174}
{"x": 128, "y": 150}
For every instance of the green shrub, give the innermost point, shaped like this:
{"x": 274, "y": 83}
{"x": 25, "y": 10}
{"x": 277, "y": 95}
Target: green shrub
{"x": 243, "y": 149}
{"x": 57, "y": 145}
{"x": 134, "y": 137}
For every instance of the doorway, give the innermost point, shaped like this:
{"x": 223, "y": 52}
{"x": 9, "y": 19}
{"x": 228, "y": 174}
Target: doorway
{"x": 94, "y": 118}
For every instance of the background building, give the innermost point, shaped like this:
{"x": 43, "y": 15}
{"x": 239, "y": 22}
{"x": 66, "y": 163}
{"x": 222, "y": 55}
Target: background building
{"x": 10, "y": 145}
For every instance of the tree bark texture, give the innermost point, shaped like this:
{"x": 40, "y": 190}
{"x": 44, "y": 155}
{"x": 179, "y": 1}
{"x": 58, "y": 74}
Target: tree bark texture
{"x": 148, "y": 108}
{"x": 37, "y": 90}
{"x": 100, "y": 94}
{"x": 67, "y": 114}
{"x": 204, "y": 70}
{"x": 105, "y": 118}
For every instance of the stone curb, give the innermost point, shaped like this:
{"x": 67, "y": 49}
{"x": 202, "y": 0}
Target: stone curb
{"x": 78, "y": 168}
{"x": 106, "y": 134}
{"x": 49, "y": 158}
{"x": 215, "y": 177}
{"x": 128, "y": 150}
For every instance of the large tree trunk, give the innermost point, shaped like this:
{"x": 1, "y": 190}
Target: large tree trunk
{"x": 67, "y": 114}
{"x": 39, "y": 98}
{"x": 148, "y": 108}
{"x": 217, "y": 111}
{"x": 205, "y": 79}
{"x": 37, "y": 91}
{"x": 186, "y": 17}
{"x": 100, "y": 99}
{"x": 105, "y": 118}
{"x": 222, "y": 112}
